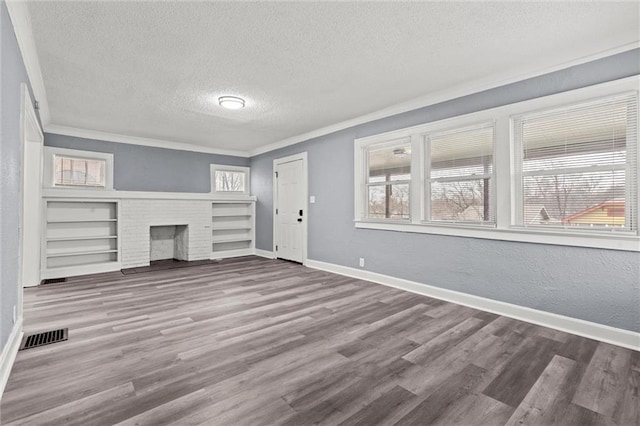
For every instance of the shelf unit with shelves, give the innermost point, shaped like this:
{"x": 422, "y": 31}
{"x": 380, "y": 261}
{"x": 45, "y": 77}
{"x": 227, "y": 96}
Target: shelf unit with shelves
{"x": 233, "y": 224}
{"x": 79, "y": 235}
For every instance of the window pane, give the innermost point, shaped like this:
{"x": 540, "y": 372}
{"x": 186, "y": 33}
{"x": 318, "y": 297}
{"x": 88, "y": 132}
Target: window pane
{"x": 390, "y": 169}
{"x": 583, "y": 135}
{"x": 95, "y": 171}
{"x": 577, "y": 165}
{"x": 466, "y": 200}
{"x": 390, "y": 163}
{"x": 594, "y": 199}
{"x": 79, "y": 172}
{"x": 466, "y": 154}
{"x": 229, "y": 181}
{"x": 389, "y": 201}
{"x": 462, "y": 153}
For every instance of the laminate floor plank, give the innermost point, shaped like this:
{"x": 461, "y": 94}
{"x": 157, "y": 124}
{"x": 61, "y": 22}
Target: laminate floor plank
{"x": 536, "y": 408}
{"x": 475, "y": 409}
{"x": 630, "y": 412}
{"x": 253, "y": 341}
{"x": 605, "y": 381}
{"x": 521, "y": 372}
{"x": 380, "y": 409}
{"x": 436, "y": 405}
{"x": 435, "y": 347}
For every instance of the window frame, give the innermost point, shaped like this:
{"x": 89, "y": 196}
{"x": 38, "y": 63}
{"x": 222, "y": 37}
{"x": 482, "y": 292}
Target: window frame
{"x": 236, "y": 169}
{"x": 386, "y": 144}
{"x": 631, "y": 215}
{"x": 504, "y": 180}
{"x": 50, "y": 154}
{"x": 426, "y": 218}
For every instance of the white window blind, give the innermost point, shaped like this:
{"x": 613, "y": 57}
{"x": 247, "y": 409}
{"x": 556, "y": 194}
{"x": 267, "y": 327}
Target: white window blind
{"x": 577, "y": 166}
{"x": 460, "y": 174}
{"x": 388, "y": 180}
{"x": 69, "y": 171}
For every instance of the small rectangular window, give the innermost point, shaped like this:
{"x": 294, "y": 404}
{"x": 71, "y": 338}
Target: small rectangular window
{"x": 460, "y": 175}
{"x": 231, "y": 180}
{"x": 70, "y": 171}
{"x": 577, "y": 166}
{"x": 228, "y": 181}
{"x": 388, "y": 180}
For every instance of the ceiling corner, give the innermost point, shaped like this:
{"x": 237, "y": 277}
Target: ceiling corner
{"x": 21, "y": 20}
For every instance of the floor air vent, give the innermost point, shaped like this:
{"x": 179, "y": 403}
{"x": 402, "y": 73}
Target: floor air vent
{"x": 46, "y": 338}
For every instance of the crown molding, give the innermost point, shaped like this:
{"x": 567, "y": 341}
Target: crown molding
{"x": 21, "y": 20}
{"x": 134, "y": 140}
{"x": 476, "y": 86}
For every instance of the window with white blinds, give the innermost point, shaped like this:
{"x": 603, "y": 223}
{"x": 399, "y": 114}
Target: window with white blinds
{"x": 71, "y": 171}
{"x": 460, "y": 174}
{"x": 539, "y": 171}
{"x": 576, "y": 166}
{"x": 77, "y": 169}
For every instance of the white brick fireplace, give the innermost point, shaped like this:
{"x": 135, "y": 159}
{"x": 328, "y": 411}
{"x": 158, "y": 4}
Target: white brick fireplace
{"x": 138, "y": 215}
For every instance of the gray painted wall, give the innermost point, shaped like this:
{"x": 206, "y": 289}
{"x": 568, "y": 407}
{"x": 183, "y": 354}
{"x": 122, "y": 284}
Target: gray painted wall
{"x": 143, "y": 168}
{"x": 12, "y": 73}
{"x": 602, "y": 286}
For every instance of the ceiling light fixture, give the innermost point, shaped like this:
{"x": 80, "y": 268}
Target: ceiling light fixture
{"x": 401, "y": 152}
{"x": 231, "y": 102}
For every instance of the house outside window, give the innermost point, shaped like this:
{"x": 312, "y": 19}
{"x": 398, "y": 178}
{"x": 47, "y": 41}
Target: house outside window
{"x": 579, "y": 163}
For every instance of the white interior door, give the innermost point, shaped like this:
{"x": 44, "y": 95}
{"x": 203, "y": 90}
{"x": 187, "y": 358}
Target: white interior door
{"x": 290, "y": 209}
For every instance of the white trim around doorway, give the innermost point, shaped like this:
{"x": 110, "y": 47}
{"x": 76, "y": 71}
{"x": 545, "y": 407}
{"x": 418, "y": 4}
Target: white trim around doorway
{"x": 305, "y": 184}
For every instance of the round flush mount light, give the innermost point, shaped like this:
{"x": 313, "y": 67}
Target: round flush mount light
{"x": 401, "y": 152}
{"x": 231, "y": 102}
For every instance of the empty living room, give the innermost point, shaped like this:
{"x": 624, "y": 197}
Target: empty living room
{"x": 244, "y": 213}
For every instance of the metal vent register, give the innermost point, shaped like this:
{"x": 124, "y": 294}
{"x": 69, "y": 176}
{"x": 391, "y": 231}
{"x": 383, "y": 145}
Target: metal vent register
{"x": 45, "y": 338}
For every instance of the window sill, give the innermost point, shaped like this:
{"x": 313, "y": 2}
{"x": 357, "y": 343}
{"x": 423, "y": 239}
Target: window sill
{"x": 626, "y": 242}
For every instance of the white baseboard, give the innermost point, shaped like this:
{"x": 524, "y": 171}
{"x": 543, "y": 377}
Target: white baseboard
{"x": 231, "y": 253}
{"x": 9, "y": 353}
{"x": 265, "y": 253}
{"x": 75, "y": 271}
{"x": 591, "y": 330}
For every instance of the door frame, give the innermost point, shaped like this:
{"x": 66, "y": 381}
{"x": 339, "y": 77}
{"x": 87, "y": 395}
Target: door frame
{"x": 305, "y": 193}
{"x": 31, "y": 136}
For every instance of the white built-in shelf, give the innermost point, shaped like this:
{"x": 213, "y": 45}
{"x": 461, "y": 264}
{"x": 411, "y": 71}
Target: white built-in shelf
{"x": 230, "y": 240}
{"x": 232, "y": 228}
{"x": 80, "y": 238}
{"x": 81, "y": 220}
{"x": 79, "y": 253}
{"x": 78, "y": 234}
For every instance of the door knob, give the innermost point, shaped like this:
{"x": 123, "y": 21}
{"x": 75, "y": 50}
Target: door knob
{"x": 299, "y": 219}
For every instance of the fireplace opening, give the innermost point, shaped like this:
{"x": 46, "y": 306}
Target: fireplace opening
{"x": 169, "y": 242}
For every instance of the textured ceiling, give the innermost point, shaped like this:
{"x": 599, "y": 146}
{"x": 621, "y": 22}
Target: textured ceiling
{"x": 155, "y": 69}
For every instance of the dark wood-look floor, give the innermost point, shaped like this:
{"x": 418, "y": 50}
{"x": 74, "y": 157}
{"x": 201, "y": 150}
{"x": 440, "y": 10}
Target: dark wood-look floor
{"x": 253, "y": 341}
